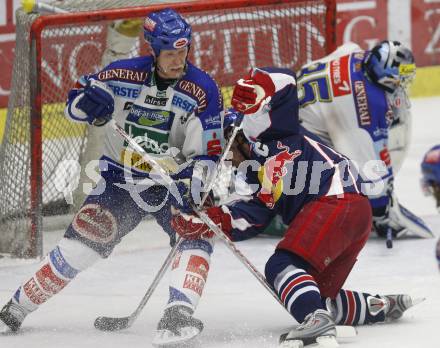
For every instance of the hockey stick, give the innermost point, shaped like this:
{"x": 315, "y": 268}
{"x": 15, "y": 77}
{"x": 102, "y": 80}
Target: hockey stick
{"x": 104, "y": 323}
{"x": 231, "y": 246}
{"x": 389, "y": 237}
{"x": 121, "y": 323}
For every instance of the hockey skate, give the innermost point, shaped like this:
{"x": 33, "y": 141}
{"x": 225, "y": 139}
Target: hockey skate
{"x": 393, "y": 305}
{"x": 11, "y": 317}
{"x": 318, "y": 330}
{"x": 177, "y": 327}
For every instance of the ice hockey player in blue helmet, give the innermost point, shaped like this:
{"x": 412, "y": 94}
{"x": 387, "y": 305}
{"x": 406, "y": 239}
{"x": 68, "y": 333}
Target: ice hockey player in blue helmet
{"x": 357, "y": 102}
{"x": 173, "y": 110}
{"x": 431, "y": 174}
{"x": 430, "y": 182}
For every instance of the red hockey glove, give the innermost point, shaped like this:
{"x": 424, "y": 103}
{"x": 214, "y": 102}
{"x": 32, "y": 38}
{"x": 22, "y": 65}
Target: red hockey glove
{"x": 252, "y": 93}
{"x": 191, "y": 227}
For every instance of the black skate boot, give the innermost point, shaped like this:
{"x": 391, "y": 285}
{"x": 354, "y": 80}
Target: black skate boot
{"x": 176, "y": 327}
{"x": 11, "y": 317}
{"x": 317, "y": 328}
{"x": 393, "y": 305}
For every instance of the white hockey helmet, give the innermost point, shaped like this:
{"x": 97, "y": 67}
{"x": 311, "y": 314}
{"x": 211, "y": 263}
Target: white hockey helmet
{"x": 390, "y": 65}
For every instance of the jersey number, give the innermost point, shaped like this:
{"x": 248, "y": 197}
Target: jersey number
{"x": 316, "y": 87}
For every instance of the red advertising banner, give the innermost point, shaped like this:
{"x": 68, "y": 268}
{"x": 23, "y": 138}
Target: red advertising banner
{"x": 425, "y": 20}
{"x": 225, "y": 46}
{"x": 362, "y": 22}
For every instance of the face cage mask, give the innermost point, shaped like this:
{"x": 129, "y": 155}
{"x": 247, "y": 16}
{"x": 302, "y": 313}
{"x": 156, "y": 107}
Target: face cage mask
{"x": 400, "y": 104}
{"x": 402, "y": 78}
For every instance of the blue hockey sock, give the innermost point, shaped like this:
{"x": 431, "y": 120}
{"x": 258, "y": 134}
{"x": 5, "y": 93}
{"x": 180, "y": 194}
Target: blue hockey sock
{"x": 296, "y": 288}
{"x": 351, "y": 308}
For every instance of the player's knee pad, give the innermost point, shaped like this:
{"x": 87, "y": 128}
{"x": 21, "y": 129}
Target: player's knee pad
{"x": 95, "y": 227}
{"x": 279, "y": 261}
{"x": 189, "y": 272}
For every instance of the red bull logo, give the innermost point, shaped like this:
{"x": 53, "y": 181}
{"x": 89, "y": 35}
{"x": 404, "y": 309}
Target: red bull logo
{"x": 271, "y": 174}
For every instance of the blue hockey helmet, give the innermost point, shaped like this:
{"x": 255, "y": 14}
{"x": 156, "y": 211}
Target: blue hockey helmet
{"x": 390, "y": 65}
{"x": 431, "y": 165}
{"x": 166, "y": 30}
{"x": 431, "y": 173}
{"x": 231, "y": 118}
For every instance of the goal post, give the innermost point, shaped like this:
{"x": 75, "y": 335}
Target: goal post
{"x": 229, "y": 37}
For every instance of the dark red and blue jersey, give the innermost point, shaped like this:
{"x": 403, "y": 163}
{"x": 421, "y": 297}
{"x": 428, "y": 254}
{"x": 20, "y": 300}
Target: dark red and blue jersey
{"x": 287, "y": 169}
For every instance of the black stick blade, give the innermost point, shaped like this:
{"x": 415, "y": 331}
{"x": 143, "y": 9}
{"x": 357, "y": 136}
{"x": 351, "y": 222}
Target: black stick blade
{"x": 112, "y": 324}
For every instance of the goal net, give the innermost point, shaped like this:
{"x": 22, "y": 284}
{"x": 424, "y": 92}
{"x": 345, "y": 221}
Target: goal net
{"x": 40, "y": 148}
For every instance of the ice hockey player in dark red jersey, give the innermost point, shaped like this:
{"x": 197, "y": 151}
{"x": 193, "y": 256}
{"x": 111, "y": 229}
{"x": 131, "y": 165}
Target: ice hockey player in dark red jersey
{"x": 316, "y": 193}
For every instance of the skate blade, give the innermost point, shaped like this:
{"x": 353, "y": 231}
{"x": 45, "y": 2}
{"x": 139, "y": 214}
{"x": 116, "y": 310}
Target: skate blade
{"x": 345, "y": 331}
{"x": 321, "y": 342}
{"x": 166, "y": 338}
{"x": 5, "y": 330}
{"x": 327, "y": 342}
{"x": 291, "y": 344}
{"x": 416, "y": 301}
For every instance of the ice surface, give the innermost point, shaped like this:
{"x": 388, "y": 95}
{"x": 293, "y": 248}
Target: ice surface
{"x": 236, "y": 310}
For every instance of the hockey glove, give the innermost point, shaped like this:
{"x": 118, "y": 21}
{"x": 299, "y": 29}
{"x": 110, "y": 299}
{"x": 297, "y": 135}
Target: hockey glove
{"x": 181, "y": 199}
{"x": 97, "y": 103}
{"x": 251, "y": 94}
{"x": 191, "y": 227}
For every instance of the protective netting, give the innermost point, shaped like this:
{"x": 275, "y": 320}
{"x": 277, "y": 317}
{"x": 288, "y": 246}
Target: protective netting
{"x": 226, "y": 43}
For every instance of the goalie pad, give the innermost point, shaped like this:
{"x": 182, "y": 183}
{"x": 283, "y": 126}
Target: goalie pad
{"x": 408, "y": 222}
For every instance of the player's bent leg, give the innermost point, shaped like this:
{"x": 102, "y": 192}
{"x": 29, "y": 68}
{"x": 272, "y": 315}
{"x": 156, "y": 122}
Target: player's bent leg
{"x": 295, "y": 287}
{"x": 189, "y": 273}
{"x": 57, "y": 270}
{"x": 328, "y": 244}
{"x": 359, "y": 308}
{"x": 298, "y": 291}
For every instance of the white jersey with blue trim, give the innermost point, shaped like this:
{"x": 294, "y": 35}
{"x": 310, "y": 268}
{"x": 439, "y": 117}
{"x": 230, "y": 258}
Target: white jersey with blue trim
{"x": 349, "y": 113}
{"x": 175, "y": 124}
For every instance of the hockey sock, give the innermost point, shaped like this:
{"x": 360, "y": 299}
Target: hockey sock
{"x": 357, "y": 308}
{"x": 297, "y": 289}
{"x": 58, "y": 268}
{"x": 189, "y": 272}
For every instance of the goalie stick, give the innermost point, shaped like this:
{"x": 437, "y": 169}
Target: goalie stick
{"x": 104, "y": 323}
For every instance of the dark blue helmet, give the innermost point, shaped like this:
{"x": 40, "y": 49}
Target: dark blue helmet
{"x": 390, "y": 65}
{"x": 166, "y": 30}
{"x": 232, "y": 118}
{"x": 431, "y": 166}
{"x": 431, "y": 174}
